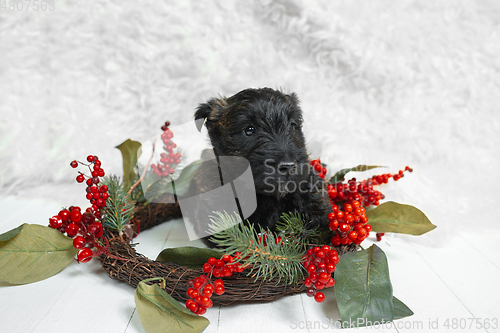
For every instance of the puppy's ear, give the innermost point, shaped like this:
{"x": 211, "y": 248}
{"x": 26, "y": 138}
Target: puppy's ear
{"x": 201, "y": 114}
{"x": 293, "y": 99}
{"x": 209, "y": 111}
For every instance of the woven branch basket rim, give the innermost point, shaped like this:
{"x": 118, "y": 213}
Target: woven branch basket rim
{"x": 124, "y": 263}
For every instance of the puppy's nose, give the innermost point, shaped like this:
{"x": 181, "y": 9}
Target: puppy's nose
{"x": 286, "y": 167}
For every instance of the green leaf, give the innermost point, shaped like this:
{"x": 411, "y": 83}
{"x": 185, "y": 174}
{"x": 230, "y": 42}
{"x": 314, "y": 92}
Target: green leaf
{"x": 399, "y": 218}
{"x": 129, "y": 150}
{"x": 363, "y": 288}
{"x": 33, "y": 253}
{"x": 400, "y": 309}
{"x": 340, "y": 175}
{"x": 9, "y": 234}
{"x": 179, "y": 186}
{"x": 160, "y": 312}
{"x": 189, "y": 256}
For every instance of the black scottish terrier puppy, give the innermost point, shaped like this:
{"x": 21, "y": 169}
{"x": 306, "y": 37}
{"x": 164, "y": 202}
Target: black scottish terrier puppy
{"x": 263, "y": 126}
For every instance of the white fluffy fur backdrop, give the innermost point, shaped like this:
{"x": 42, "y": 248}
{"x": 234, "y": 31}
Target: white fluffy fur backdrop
{"x": 392, "y": 83}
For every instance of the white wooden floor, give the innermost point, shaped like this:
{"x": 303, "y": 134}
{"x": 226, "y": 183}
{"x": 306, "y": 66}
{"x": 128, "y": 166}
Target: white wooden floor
{"x": 450, "y": 288}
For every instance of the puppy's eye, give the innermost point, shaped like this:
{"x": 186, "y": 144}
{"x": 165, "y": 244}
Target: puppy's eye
{"x": 294, "y": 124}
{"x": 249, "y": 130}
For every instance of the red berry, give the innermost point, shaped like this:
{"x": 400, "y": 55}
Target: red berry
{"x": 335, "y": 240}
{"x": 353, "y": 235}
{"x": 72, "y": 229}
{"x": 212, "y": 261}
{"x": 207, "y": 268}
{"x": 87, "y": 218}
{"x": 201, "y": 310}
{"x": 319, "y": 297}
{"x": 330, "y": 268}
{"x": 323, "y": 277}
{"x": 56, "y": 222}
{"x": 101, "y": 173}
{"x": 219, "y": 290}
{"x": 334, "y": 259}
{"x": 333, "y": 225}
{"x": 344, "y": 227}
{"x": 85, "y": 255}
{"x": 75, "y": 216}
{"x": 79, "y": 242}
{"x": 319, "y": 285}
{"x": 191, "y": 305}
{"x": 80, "y": 178}
{"x": 207, "y": 292}
{"x": 219, "y": 264}
{"x": 218, "y": 282}
{"x": 308, "y": 282}
{"x": 74, "y": 164}
{"x": 95, "y": 229}
{"x": 311, "y": 269}
{"x": 216, "y": 273}
{"x": 310, "y": 292}
{"x": 227, "y": 258}
{"x": 90, "y": 158}
{"x": 64, "y": 215}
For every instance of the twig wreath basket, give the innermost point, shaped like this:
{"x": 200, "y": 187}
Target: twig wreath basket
{"x": 133, "y": 267}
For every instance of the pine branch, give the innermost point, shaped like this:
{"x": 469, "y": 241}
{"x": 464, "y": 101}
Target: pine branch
{"x": 293, "y": 225}
{"x": 119, "y": 207}
{"x": 266, "y": 255}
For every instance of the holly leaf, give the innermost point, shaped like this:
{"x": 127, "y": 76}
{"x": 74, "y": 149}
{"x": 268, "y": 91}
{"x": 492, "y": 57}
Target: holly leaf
{"x": 400, "y": 309}
{"x": 160, "y": 312}
{"x": 130, "y": 153}
{"x": 340, "y": 175}
{"x": 189, "y": 256}
{"x": 394, "y": 217}
{"x": 363, "y": 288}
{"x": 31, "y": 253}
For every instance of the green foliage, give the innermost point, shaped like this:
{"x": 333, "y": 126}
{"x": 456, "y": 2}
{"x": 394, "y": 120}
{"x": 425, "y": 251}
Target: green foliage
{"x": 178, "y": 186}
{"x": 119, "y": 206}
{"x": 31, "y": 253}
{"x": 364, "y": 290}
{"x": 399, "y": 218}
{"x": 340, "y": 175}
{"x": 129, "y": 150}
{"x": 160, "y": 312}
{"x": 267, "y": 257}
{"x": 294, "y": 226}
{"x": 189, "y": 256}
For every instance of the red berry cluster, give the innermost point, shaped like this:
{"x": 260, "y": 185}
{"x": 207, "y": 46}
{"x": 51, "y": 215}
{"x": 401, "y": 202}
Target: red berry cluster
{"x": 320, "y": 264}
{"x": 97, "y": 195}
{"x": 201, "y": 289}
{"x": 168, "y": 159}
{"x": 84, "y": 228}
{"x": 348, "y": 220}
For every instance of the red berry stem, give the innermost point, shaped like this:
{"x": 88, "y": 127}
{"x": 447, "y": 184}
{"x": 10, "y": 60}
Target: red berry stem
{"x": 169, "y": 159}
{"x": 348, "y": 220}
{"x": 86, "y": 228}
{"x": 202, "y": 288}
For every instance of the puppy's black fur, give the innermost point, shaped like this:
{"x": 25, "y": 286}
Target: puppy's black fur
{"x": 263, "y": 126}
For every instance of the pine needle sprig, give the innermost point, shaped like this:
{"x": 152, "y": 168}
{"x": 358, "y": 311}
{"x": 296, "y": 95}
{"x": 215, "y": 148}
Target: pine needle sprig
{"x": 293, "y": 225}
{"x": 262, "y": 252}
{"x": 119, "y": 206}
